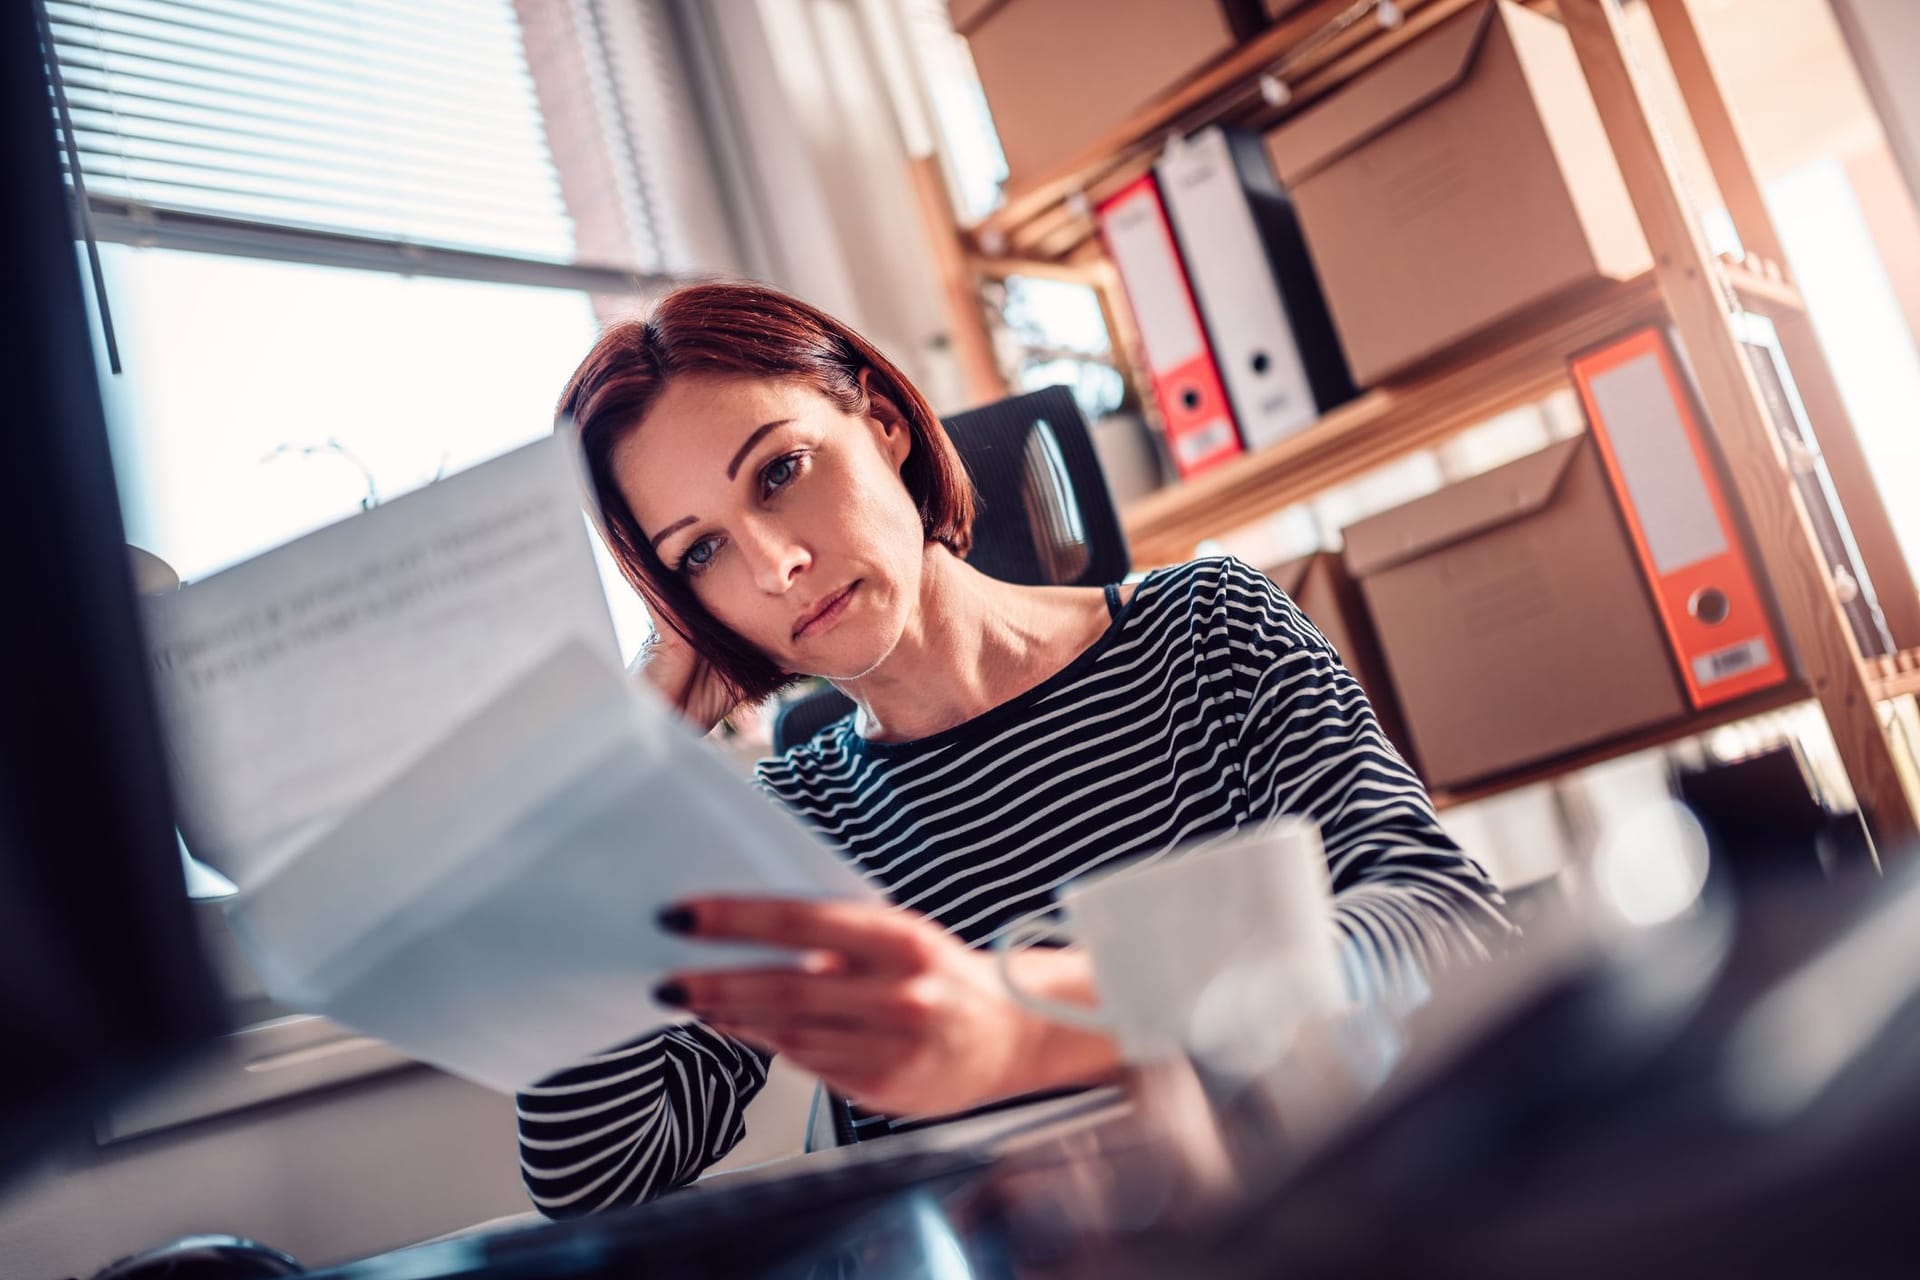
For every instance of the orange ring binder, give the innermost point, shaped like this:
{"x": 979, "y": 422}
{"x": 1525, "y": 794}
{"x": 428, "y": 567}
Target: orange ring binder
{"x": 1642, "y": 415}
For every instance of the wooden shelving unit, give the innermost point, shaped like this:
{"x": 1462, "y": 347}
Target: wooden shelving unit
{"x": 1046, "y": 228}
{"x": 1897, "y": 676}
{"x": 1513, "y": 365}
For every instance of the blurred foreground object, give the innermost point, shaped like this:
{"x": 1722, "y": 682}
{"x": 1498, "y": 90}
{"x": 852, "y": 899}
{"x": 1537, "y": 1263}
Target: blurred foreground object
{"x": 102, "y": 981}
{"x": 1773, "y": 830}
{"x": 1706, "y": 1095}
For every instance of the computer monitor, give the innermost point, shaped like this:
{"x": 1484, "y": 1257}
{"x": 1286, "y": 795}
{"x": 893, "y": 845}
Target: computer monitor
{"x": 102, "y": 979}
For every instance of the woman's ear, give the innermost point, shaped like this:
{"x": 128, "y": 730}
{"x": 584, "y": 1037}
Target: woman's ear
{"x": 894, "y": 436}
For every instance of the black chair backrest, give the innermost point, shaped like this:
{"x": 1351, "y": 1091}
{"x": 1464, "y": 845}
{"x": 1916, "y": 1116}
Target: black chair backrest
{"x": 1043, "y": 516}
{"x": 799, "y": 718}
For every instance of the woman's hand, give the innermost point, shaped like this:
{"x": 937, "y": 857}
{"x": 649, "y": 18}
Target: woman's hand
{"x": 688, "y": 681}
{"x": 887, "y": 1007}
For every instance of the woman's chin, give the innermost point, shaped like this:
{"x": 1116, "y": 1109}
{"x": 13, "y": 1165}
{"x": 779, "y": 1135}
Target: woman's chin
{"x": 840, "y": 658}
{"x": 851, "y": 649}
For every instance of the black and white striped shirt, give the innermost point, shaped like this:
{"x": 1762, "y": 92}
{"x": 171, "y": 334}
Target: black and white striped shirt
{"x": 1209, "y": 706}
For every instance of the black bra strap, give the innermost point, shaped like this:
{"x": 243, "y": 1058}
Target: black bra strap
{"x": 1113, "y": 600}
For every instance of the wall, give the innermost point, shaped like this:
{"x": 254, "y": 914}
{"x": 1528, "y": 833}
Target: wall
{"x": 325, "y": 1177}
{"x": 824, "y": 172}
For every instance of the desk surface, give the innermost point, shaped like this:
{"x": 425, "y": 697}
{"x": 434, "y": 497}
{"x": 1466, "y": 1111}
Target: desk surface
{"x": 891, "y": 1197}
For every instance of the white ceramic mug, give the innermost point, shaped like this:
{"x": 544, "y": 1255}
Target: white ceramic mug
{"x": 1219, "y": 952}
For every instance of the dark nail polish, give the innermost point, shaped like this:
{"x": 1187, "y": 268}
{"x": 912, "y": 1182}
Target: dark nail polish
{"x": 671, "y": 994}
{"x": 676, "y": 919}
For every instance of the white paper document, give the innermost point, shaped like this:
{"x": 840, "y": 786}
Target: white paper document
{"x": 296, "y": 683}
{"x": 450, "y": 815}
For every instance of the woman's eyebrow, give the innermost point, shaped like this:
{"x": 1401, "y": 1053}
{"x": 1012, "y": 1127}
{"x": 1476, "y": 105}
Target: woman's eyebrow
{"x": 681, "y": 523}
{"x": 733, "y": 468}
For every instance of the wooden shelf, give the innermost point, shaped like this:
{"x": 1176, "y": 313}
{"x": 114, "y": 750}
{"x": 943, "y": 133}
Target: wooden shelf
{"x": 1766, "y": 291}
{"x": 1889, "y": 677}
{"x": 1511, "y": 365}
{"x": 1786, "y": 695}
{"x": 1894, "y": 676}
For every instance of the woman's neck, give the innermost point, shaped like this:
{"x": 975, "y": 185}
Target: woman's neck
{"x": 971, "y": 643}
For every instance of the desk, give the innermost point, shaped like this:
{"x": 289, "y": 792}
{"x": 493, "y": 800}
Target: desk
{"x": 866, "y": 1206}
{"x": 1575, "y": 1111}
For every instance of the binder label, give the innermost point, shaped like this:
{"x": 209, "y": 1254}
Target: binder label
{"x": 1724, "y": 664}
{"x": 1204, "y": 441}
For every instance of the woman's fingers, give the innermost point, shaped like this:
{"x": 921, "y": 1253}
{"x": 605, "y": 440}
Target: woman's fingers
{"x": 784, "y": 996}
{"x": 871, "y": 936}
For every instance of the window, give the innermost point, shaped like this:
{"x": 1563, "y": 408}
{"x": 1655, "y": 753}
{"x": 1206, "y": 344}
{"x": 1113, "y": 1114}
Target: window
{"x": 976, "y": 166}
{"x": 1852, "y": 299}
{"x": 264, "y": 399}
{"x": 348, "y": 248}
{"x": 407, "y": 121}
{"x": 1059, "y": 338}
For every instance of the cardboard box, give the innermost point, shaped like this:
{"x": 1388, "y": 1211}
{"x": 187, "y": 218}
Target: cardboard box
{"x": 1514, "y": 617}
{"x": 1328, "y": 595}
{"x": 1461, "y": 181}
{"x": 1060, "y": 74}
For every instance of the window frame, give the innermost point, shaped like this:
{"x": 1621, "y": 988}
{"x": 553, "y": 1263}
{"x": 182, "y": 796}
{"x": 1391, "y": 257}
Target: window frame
{"x": 122, "y": 221}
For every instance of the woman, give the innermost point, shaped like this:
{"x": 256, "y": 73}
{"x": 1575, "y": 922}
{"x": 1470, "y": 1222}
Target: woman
{"x": 787, "y": 504}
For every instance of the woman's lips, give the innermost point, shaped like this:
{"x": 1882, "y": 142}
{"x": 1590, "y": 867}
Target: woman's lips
{"x": 827, "y": 616}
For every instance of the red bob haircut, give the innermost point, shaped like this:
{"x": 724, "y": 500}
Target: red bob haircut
{"x": 749, "y": 331}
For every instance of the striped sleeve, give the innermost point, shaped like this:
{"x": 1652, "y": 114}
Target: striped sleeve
{"x": 635, "y": 1122}
{"x": 1407, "y": 900}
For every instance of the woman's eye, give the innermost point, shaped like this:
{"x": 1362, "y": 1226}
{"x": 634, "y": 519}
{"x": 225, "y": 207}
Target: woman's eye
{"x": 779, "y": 473}
{"x": 698, "y": 556}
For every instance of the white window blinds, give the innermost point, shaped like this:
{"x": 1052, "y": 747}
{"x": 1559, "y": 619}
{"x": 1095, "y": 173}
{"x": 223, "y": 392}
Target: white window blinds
{"x": 406, "y": 119}
{"x": 535, "y": 131}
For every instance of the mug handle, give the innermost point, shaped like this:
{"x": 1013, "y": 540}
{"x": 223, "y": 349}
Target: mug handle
{"x": 1015, "y": 939}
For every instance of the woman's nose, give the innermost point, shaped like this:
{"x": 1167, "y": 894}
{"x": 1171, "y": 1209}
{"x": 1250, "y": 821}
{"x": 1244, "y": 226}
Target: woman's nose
{"x": 775, "y": 556}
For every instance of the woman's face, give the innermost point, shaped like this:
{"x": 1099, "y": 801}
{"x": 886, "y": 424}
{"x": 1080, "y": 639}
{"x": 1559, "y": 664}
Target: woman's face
{"x": 786, "y": 515}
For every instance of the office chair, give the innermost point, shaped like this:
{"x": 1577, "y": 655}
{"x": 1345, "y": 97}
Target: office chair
{"x": 1043, "y": 516}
